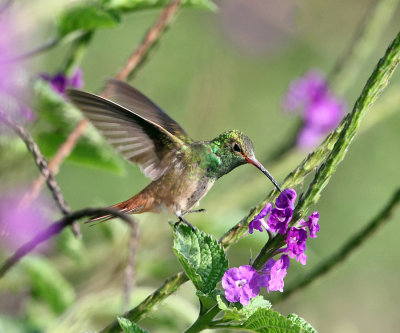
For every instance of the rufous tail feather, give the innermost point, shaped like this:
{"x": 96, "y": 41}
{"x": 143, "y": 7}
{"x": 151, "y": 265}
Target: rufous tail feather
{"x": 138, "y": 204}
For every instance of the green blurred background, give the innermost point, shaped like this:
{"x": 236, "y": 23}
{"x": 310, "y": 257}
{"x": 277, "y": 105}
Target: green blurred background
{"x": 213, "y": 72}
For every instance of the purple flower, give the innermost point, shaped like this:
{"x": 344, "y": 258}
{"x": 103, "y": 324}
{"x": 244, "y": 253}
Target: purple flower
{"x": 296, "y": 244}
{"x": 320, "y": 109}
{"x": 324, "y": 113}
{"x": 309, "y": 137}
{"x": 60, "y": 82}
{"x": 286, "y": 199}
{"x": 241, "y": 284}
{"x": 279, "y": 219}
{"x": 305, "y": 90}
{"x": 258, "y": 220}
{"x": 274, "y": 272}
{"x": 19, "y": 224}
{"x": 311, "y": 224}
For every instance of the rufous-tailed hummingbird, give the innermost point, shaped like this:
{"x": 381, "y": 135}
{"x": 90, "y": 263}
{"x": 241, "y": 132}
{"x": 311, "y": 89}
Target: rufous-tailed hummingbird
{"x": 182, "y": 170}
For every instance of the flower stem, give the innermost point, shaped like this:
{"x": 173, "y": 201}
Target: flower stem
{"x": 204, "y": 321}
{"x": 76, "y": 52}
{"x": 135, "y": 314}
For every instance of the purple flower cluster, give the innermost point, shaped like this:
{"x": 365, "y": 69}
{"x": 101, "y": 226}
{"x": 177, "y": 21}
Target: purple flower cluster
{"x": 321, "y": 110}
{"x": 60, "y": 82}
{"x": 243, "y": 283}
{"x": 280, "y": 215}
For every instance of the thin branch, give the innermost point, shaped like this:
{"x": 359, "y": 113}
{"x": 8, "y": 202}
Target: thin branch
{"x": 352, "y": 244}
{"x": 41, "y": 164}
{"x": 68, "y": 146}
{"x": 169, "y": 287}
{"x": 53, "y": 230}
{"x": 63, "y": 152}
{"x": 149, "y": 39}
{"x": 130, "y": 272}
{"x": 76, "y": 52}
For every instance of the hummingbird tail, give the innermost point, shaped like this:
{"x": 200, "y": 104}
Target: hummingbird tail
{"x": 138, "y": 204}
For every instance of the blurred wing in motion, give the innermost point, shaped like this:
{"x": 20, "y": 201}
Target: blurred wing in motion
{"x": 138, "y": 139}
{"x": 123, "y": 94}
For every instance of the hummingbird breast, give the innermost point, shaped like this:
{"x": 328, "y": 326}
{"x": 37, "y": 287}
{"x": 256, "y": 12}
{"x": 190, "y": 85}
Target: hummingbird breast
{"x": 180, "y": 188}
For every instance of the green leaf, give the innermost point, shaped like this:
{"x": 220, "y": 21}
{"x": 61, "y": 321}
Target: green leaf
{"x": 306, "y": 327}
{"x": 48, "y": 284}
{"x": 129, "y": 326}
{"x": 201, "y": 256}
{"x": 269, "y": 321}
{"x": 58, "y": 120}
{"x": 85, "y": 17}
{"x": 239, "y": 312}
{"x": 132, "y": 5}
{"x": 86, "y": 152}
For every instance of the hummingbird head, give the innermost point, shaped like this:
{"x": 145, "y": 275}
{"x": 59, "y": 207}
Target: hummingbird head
{"x": 234, "y": 149}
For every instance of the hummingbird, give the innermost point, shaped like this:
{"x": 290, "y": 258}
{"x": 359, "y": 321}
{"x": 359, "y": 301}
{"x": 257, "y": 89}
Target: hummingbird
{"x": 182, "y": 170}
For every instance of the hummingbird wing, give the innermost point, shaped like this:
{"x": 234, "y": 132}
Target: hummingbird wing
{"x": 132, "y": 99}
{"x": 138, "y": 139}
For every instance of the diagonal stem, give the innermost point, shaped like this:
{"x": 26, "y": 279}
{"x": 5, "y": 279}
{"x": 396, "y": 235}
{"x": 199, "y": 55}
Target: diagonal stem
{"x": 149, "y": 40}
{"x": 41, "y": 163}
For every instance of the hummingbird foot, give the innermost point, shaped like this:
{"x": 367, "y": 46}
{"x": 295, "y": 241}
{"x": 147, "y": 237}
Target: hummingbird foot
{"x": 182, "y": 220}
{"x": 201, "y": 210}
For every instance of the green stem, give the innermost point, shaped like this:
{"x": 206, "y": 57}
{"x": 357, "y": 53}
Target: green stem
{"x": 373, "y": 88}
{"x": 76, "y": 52}
{"x": 232, "y": 327}
{"x": 204, "y": 321}
{"x": 352, "y": 244}
{"x": 169, "y": 287}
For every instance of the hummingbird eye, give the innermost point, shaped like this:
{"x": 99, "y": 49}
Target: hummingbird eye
{"x": 236, "y": 148}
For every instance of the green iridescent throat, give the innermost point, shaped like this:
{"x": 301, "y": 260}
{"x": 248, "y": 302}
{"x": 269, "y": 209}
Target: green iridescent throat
{"x": 217, "y": 156}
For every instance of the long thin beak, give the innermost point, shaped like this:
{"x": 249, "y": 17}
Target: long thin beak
{"x": 259, "y": 166}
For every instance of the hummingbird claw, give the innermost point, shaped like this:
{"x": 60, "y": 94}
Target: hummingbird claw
{"x": 201, "y": 210}
{"x": 181, "y": 219}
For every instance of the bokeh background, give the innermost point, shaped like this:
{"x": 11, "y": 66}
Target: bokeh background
{"x": 213, "y": 72}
